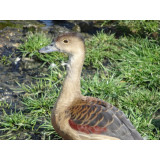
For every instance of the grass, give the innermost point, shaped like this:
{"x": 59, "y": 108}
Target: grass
{"x": 5, "y": 60}
{"x": 125, "y": 73}
{"x": 33, "y": 43}
{"x": 142, "y": 28}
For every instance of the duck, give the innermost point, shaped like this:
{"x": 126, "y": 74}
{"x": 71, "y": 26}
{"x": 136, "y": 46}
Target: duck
{"x": 79, "y": 117}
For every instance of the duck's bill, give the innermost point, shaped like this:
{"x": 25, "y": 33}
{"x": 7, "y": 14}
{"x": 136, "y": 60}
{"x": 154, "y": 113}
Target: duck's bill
{"x": 48, "y": 49}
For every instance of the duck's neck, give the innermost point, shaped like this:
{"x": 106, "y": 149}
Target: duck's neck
{"x": 71, "y": 85}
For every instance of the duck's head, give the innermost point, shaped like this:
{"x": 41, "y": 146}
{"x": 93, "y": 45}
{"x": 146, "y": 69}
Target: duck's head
{"x": 70, "y": 43}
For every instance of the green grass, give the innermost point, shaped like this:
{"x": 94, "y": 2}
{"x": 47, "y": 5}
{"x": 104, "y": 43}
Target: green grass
{"x": 125, "y": 73}
{"x": 139, "y": 104}
{"x": 141, "y": 28}
{"x": 15, "y": 123}
{"x": 132, "y": 59}
{"x": 33, "y": 43}
{"x": 5, "y": 60}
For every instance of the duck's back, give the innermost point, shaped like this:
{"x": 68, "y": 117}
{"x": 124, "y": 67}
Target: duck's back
{"x": 92, "y": 116}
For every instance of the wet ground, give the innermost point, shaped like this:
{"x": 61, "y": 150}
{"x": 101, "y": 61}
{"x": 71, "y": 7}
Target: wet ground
{"x": 14, "y": 69}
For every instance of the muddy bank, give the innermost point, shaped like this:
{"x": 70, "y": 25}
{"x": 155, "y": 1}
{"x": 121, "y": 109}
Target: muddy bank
{"x": 14, "y": 69}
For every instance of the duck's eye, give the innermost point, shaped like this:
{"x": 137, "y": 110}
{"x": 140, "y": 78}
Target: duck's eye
{"x": 65, "y": 41}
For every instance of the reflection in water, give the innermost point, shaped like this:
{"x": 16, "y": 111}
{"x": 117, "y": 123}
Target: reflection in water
{"x": 48, "y": 23}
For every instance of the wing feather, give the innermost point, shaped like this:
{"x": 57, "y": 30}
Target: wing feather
{"x": 94, "y": 116}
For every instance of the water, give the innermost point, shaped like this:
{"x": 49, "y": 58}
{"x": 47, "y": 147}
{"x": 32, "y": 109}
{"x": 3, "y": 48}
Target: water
{"x": 48, "y": 23}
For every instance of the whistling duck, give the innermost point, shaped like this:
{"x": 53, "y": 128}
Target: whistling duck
{"x": 81, "y": 117}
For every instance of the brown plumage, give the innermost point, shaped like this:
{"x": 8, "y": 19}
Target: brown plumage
{"x": 79, "y": 117}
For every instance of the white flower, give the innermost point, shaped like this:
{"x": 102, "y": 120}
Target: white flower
{"x": 53, "y": 65}
{"x": 17, "y": 60}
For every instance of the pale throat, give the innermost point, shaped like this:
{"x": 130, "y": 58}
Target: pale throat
{"x": 71, "y": 85}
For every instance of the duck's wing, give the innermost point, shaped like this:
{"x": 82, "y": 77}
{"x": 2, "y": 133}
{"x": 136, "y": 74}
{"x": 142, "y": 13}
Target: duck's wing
{"x": 94, "y": 116}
